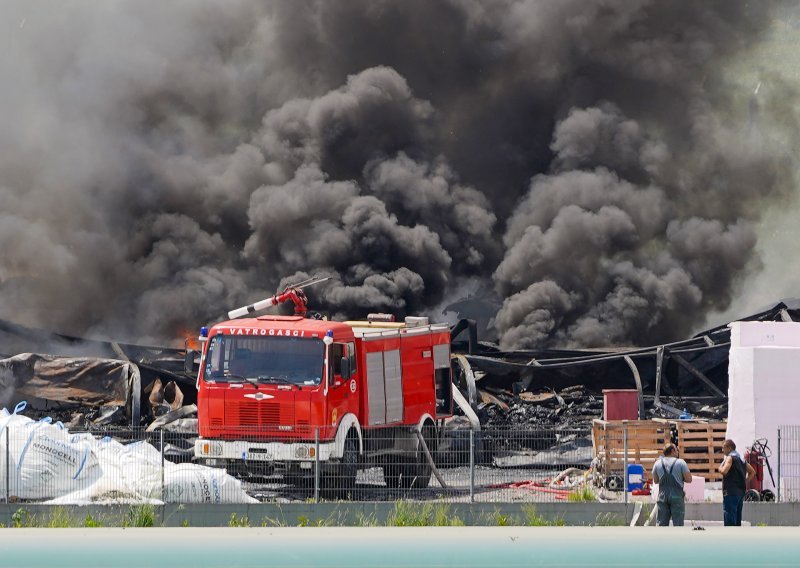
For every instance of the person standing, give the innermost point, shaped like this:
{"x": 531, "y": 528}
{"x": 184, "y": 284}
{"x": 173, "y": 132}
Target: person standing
{"x": 735, "y": 475}
{"x": 671, "y": 472}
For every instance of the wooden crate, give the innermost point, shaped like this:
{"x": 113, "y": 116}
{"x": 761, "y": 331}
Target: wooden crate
{"x": 700, "y": 445}
{"x": 646, "y": 439}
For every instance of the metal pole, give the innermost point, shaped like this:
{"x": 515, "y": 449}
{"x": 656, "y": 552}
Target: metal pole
{"x": 625, "y": 467}
{"x": 778, "y": 496}
{"x": 471, "y": 465}
{"x": 316, "y": 465}
{"x": 162, "y": 463}
{"x": 8, "y": 465}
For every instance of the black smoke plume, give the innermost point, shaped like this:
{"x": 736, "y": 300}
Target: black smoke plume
{"x": 590, "y": 160}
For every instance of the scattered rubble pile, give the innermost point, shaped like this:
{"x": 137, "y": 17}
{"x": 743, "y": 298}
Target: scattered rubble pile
{"x": 88, "y": 384}
{"x": 564, "y": 388}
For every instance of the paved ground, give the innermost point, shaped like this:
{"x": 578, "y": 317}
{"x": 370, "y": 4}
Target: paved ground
{"x": 492, "y": 485}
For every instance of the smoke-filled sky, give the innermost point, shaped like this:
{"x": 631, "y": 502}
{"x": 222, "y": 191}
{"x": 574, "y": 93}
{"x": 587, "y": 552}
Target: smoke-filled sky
{"x": 591, "y": 161}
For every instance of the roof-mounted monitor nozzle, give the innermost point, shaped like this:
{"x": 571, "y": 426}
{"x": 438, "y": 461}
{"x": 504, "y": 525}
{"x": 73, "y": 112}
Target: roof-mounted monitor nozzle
{"x": 293, "y": 292}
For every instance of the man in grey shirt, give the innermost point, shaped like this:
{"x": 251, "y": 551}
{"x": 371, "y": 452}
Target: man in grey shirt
{"x": 670, "y": 472}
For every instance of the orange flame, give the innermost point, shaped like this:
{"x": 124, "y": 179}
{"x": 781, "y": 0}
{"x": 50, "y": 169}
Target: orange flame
{"x": 190, "y": 340}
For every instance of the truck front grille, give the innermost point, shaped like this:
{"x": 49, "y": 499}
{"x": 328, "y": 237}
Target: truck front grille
{"x": 259, "y": 413}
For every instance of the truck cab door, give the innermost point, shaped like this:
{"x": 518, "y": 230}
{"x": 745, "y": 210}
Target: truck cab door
{"x": 343, "y": 391}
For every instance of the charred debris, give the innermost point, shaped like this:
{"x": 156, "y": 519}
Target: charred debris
{"x": 563, "y": 389}
{"x": 93, "y": 384}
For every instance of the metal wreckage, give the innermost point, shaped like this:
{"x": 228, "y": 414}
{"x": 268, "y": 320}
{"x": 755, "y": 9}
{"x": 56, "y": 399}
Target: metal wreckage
{"x": 103, "y": 385}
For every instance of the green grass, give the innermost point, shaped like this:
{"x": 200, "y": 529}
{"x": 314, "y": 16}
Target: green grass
{"x": 533, "y": 519}
{"x": 364, "y": 520}
{"x": 529, "y": 518}
{"x": 21, "y": 518}
{"x": 140, "y": 516}
{"x": 609, "y": 520}
{"x": 236, "y": 521}
{"x": 582, "y": 495}
{"x": 408, "y": 514}
{"x": 59, "y": 519}
{"x": 91, "y": 522}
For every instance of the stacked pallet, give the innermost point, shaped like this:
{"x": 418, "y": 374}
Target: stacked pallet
{"x": 700, "y": 445}
{"x": 645, "y": 441}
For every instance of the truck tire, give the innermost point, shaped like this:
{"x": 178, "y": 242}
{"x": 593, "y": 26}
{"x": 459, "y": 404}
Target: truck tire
{"x": 412, "y": 472}
{"x": 348, "y": 467}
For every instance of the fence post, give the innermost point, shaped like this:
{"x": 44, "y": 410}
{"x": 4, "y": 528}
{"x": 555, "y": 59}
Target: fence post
{"x": 625, "y": 468}
{"x": 471, "y": 465}
{"x": 778, "y": 496}
{"x": 8, "y": 465}
{"x": 162, "y": 463}
{"x": 316, "y": 465}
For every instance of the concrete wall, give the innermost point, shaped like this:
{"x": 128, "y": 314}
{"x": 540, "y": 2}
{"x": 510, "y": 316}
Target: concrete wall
{"x": 764, "y": 383}
{"x": 358, "y": 514}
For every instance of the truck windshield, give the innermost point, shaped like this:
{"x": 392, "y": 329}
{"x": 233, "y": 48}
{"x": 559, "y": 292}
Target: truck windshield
{"x": 291, "y": 360}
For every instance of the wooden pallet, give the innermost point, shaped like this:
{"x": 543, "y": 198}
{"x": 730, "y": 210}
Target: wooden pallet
{"x": 645, "y": 440}
{"x": 700, "y": 445}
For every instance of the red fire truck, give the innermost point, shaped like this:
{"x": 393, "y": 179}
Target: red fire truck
{"x": 281, "y": 393}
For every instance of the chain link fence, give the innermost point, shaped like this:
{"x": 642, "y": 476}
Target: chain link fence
{"x": 787, "y": 469}
{"x": 45, "y": 463}
{"x": 41, "y": 462}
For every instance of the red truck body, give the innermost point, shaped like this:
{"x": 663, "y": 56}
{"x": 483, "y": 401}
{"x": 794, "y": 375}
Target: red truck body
{"x": 288, "y": 391}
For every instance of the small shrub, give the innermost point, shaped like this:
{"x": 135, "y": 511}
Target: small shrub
{"x": 503, "y": 520}
{"x": 238, "y": 521}
{"x": 21, "y": 518}
{"x": 91, "y": 522}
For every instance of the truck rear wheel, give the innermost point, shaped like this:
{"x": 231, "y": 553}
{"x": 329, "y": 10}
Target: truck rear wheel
{"x": 412, "y": 472}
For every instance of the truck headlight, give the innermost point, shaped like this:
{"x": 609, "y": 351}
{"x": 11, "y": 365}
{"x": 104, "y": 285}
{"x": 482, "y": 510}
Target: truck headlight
{"x": 301, "y": 452}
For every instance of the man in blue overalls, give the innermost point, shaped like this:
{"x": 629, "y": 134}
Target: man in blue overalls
{"x": 670, "y": 472}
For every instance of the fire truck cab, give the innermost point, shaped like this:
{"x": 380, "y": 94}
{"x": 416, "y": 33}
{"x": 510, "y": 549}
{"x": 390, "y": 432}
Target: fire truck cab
{"x": 282, "y": 393}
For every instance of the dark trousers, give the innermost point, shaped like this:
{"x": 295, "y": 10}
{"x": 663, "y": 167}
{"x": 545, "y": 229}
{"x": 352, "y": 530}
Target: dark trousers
{"x": 671, "y": 508}
{"x": 732, "y": 510}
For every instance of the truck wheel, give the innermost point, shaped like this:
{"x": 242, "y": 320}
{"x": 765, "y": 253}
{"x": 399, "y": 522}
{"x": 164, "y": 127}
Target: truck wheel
{"x": 348, "y": 469}
{"x": 412, "y": 472}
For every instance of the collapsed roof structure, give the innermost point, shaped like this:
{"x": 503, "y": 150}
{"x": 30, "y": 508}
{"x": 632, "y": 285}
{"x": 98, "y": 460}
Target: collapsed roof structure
{"x": 86, "y": 382}
{"x": 89, "y": 382}
{"x": 691, "y": 374}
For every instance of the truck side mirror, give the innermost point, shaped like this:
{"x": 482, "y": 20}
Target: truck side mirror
{"x": 345, "y": 366}
{"x": 188, "y": 362}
